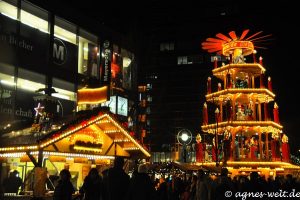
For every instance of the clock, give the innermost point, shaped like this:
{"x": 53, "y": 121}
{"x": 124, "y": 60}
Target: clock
{"x": 111, "y": 104}
{"x": 122, "y": 106}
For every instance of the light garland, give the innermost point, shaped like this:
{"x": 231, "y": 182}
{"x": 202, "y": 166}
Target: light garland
{"x": 129, "y": 137}
{"x": 92, "y": 95}
{"x": 81, "y": 148}
{"x": 67, "y": 133}
{"x": 112, "y": 131}
{"x": 264, "y": 126}
{"x": 244, "y": 164}
{"x": 121, "y": 140}
{"x": 19, "y": 148}
{"x": 261, "y": 93}
{"x": 222, "y": 71}
{"x": 80, "y": 127}
{"x": 104, "y": 121}
{"x": 130, "y": 148}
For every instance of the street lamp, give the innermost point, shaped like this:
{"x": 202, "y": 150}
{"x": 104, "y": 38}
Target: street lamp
{"x": 217, "y": 113}
{"x": 184, "y": 137}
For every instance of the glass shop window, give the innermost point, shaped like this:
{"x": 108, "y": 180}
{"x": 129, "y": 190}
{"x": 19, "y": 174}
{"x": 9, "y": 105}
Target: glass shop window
{"x": 127, "y": 68}
{"x": 34, "y": 17}
{"x": 7, "y": 89}
{"x": 65, "y": 30}
{"x": 64, "y": 89}
{"x": 30, "y": 81}
{"x": 9, "y": 9}
{"x": 88, "y": 54}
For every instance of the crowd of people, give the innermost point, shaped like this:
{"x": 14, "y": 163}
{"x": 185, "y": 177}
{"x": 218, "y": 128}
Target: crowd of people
{"x": 115, "y": 184}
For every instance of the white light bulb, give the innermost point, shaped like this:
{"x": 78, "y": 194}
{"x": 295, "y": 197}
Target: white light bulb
{"x": 184, "y": 137}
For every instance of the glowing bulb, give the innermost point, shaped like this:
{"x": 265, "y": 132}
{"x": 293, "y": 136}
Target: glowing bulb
{"x": 184, "y": 137}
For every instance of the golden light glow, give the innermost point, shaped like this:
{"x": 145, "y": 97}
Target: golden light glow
{"x": 131, "y": 148}
{"x": 79, "y": 127}
{"x": 129, "y": 137}
{"x": 263, "y": 126}
{"x": 226, "y": 45}
{"x": 81, "y": 148}
{"x": 92, "y": 96}
{"x": 249, "y": 164}
{"x": 112, "y": 131}
{"x": 69, "y": 132}
{"x": 255, "y": 68}
{"x": 19, "y": 148}
{"x": 74, "y": 155}
{"x": 121, "y": 140}
{"x": 246, "y": 46}
{"x": 262, "y": 94}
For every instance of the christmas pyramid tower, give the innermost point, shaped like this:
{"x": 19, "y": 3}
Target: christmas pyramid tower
{"x": 245, "y": 136}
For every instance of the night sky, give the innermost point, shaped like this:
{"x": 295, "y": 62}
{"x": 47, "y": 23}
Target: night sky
{"x": 273, "y": 17}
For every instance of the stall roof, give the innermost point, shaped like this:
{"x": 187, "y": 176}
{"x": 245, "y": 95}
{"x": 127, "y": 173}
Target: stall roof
{"x": 96, "y": 126}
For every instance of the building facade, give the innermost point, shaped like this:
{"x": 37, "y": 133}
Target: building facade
{"x": 44, "y": 53}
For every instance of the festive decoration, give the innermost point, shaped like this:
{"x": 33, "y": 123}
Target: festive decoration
{"x": 217, "y": 115}
{"x": 92, "y": 95}
{"x": 276, "y": 113}
{"x": 215, "y": 62}
{"x": 208, "y": 85}
{"x": 200, "y": 149}
{"x": 198, "y": 138}
{"x": 260, "y": 60}
{"x": 285, "y": 148}
{"x": 269, "y": 84}
{"x": 254, "y": 57}
{"x": 219, "y": 86}
{"x": 39, "y": 109}
{"x": 243, "y": 124}
{"x": 205, "y": 114}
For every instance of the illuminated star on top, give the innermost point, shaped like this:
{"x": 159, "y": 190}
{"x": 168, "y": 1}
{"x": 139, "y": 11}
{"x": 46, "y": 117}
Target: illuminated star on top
{"x": 38, "y": 109}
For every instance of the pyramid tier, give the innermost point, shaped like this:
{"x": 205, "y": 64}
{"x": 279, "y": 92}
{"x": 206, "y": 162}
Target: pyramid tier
{"x": 261, "y": 95}
{"x": 255, "y": 69}
{"x": 247, "y": 127}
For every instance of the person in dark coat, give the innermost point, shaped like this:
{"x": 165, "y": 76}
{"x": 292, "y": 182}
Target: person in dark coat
{"x": 64, "y": 188}
{"x": 12, "y": 183}
{"x": 116, "y": 181}
{"x": 92, "y": 186}
{"x": 141, "y": 186}
{"x": 162, "y": 190}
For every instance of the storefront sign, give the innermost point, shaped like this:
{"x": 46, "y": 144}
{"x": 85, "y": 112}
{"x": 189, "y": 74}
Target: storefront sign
{"x": 106, "y": 63}
{"x": 65, "y": 54}
{"x": 59, "y": 52}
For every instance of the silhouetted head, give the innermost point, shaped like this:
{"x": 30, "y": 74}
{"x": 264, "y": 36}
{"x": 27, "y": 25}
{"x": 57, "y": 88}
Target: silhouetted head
{"x": 254, "y": 176}
{"x": 65, "y": 174}
{"x": 224, "y": 171}
{"x": 119, "y": 162}
{"x": 93, "y": 173}
{"x": 200, "y": 173}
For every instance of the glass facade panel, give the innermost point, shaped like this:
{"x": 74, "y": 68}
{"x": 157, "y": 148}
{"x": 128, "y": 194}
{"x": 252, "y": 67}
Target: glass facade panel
{"x": 7, "y": 93}
{"x": 8, "y": 10}
{"x": 34, "y": 17}
{"x": 64, "y": 89}
{"x": 65, "y": 30}
{"x": 88, "y": 54}
{"x": 30, "y": 81}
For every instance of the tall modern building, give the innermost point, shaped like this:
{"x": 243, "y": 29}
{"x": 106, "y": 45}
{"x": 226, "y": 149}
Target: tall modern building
{"x": 68, "y": 92}
{"x": 42, "y": 51}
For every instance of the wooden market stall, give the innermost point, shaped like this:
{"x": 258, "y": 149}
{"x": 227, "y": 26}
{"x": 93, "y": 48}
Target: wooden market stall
{"x": 91, "y": 138}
